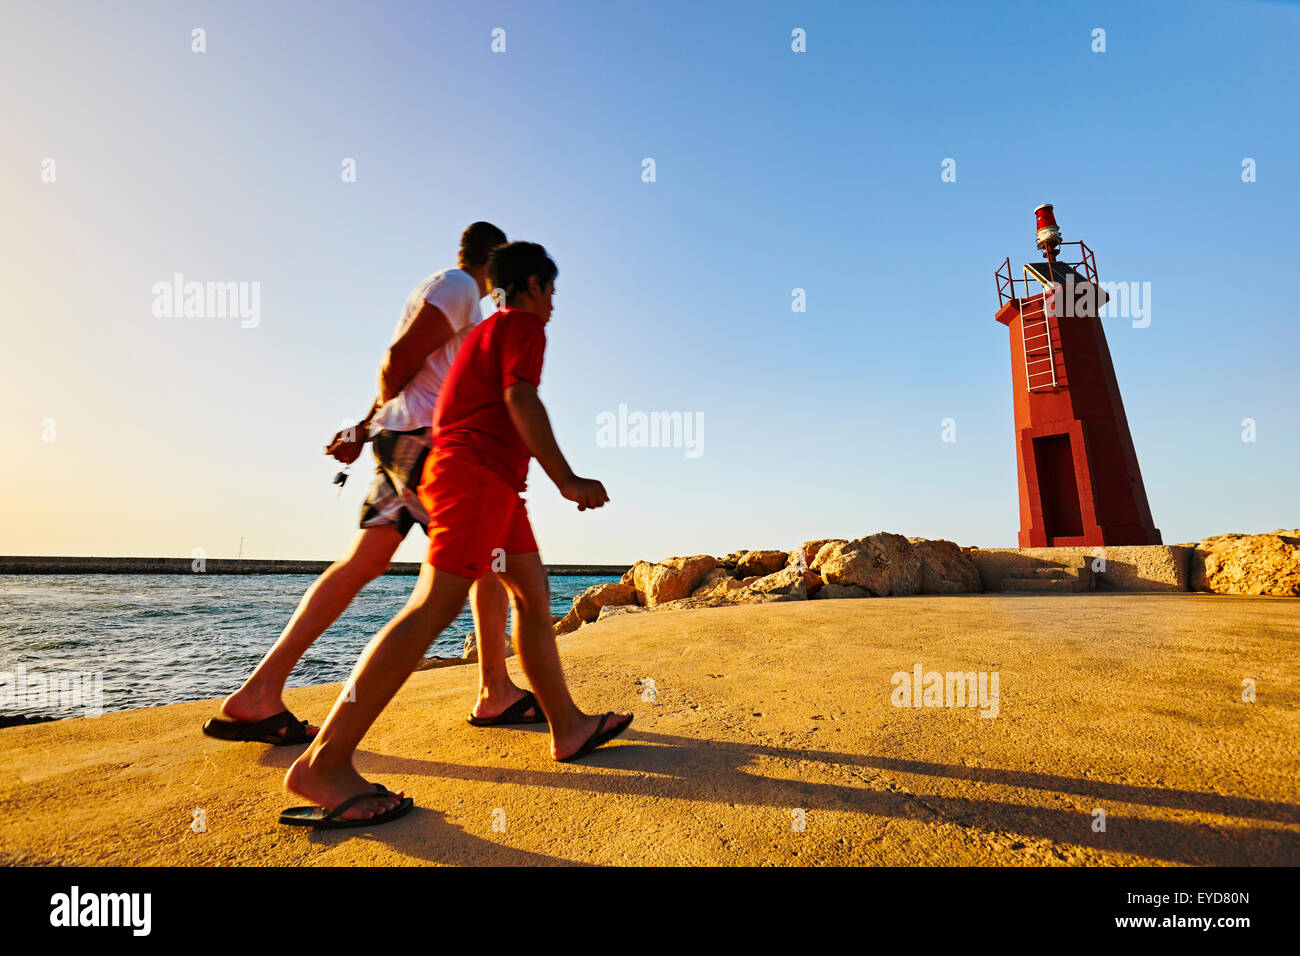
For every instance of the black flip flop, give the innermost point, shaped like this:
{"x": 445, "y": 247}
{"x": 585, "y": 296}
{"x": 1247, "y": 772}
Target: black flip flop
{"x": 261, "y": 731}
{"x": 318, "y": 818}
{"x": 601, "y": 736}
{"x": 514, "y": 714}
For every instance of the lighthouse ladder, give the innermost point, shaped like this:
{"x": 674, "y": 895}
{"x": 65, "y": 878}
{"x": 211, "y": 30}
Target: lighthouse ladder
{"x": 1036, "y": 337}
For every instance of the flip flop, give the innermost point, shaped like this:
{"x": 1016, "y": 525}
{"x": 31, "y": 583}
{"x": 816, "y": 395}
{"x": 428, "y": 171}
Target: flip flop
{"x": 261, "y": 731}
{"x": 514, "y": 714}
{"x": 601, "y": 736}
{"x": 318, "y": 818}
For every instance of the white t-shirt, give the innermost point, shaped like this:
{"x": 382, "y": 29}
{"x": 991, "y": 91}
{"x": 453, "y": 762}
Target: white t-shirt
{"x": 456, "y": 295}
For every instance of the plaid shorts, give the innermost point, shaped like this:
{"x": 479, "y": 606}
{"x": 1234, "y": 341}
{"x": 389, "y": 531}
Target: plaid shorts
{"x": 394, "y": 495}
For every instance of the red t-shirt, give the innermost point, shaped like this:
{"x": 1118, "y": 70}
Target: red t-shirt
{"x": 504, "y": 348}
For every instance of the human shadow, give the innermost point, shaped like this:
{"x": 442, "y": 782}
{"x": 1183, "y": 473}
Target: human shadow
{"x": 425, "y": 834}
{"x": 702, "y": 770}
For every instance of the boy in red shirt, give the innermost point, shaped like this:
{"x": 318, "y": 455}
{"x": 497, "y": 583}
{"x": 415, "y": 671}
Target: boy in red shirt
{"x": 488, "y": 422}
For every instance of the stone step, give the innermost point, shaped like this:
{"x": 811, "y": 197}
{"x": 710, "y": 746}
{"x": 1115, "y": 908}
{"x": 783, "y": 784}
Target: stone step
{"x": 1073, "y": 570}
{"x": 1057, "y": 585}
{"x": 1050, "y": 573}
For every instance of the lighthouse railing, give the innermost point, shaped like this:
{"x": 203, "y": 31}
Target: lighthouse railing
{"x": 1009, "y": 287}
{"x": 1006, "y": 283}
{"x": 1088, "y": 262}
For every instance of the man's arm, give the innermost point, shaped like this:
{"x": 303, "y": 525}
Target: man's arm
{"x": 429, "y": 330}
{"x": 346, "y": 444}
{"x": 534, "y": 427}
{"x": 364, "y": 424}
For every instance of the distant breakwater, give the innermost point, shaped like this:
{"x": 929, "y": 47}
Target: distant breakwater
{"x": 65, "y": 565}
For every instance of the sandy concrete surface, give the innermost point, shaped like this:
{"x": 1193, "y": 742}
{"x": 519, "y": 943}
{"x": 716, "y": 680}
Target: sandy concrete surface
{"x": 763, "y": 716}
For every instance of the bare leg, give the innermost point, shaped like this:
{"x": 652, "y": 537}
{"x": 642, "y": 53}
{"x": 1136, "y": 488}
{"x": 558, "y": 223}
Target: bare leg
{"x": 535, "y": 644}
{"x": 496, "y": 691}
{"x": 324, "y": 773}
{"x": 261, "y": 696}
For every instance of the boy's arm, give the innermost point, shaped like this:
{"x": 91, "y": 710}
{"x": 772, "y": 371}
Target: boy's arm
{"x": 534, "y": 427}
{"x": 429, "y": 330}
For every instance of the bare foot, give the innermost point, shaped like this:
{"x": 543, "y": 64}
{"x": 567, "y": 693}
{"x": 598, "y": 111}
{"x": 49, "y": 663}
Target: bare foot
{"x": 243, "y": 705}
{"x": 329, "y": 790}
{"x": 494, "y": 703}
{"x": 566, "y": 745}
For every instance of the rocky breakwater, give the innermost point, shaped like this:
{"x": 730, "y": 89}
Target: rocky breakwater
{"x": 1248, "y": 564}
{"x": 878, "y": 565}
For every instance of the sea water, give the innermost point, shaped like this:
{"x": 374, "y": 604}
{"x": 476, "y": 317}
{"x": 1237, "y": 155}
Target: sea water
{"x": 158, "y": 639}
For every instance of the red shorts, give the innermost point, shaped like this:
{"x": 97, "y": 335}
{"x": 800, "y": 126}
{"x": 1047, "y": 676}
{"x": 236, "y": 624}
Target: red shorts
{"x": 474, "y": 515}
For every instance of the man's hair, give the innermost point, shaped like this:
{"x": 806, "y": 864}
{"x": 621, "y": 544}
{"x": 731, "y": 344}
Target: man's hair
{"x": 511, "y": 266}
{"x": 477, "y": 243}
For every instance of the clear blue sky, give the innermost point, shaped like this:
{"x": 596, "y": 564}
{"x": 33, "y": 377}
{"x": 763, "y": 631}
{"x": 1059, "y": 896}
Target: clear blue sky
{"x": 775, "y": 170}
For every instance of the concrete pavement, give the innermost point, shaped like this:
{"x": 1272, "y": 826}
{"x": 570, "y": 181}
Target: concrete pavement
{"x": 764, "y": 719}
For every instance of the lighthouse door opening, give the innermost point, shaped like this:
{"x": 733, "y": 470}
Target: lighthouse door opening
{"x": 1057, "y": 489}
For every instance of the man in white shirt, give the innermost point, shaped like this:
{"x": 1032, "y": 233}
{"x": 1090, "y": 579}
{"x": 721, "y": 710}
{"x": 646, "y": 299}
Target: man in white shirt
{"x": 437, "y": 316}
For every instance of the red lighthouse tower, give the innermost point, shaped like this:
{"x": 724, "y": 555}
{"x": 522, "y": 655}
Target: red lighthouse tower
{"x": 1079, "y": 478}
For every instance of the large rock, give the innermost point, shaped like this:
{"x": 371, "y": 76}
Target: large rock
{"x": 812, "y": 582}
{"x": 830, "y": 592}
{"x": 669, "y": 580}
{"x": 717, "y": 581}
{"x": 730, "y": 561}
{"x": 697, "y": 565}
{"x": 729, "y": 599}
{"x": 1248, "y": 564}
{"x": 761, "y": 563}
{"x": 793, "y": 582}
{"x": 709, "y": 580}
{"x": 590, "y": 601}
{"x": 811, "y": 548}
{"x": 945, "y": 569}
{"x": 882, "y": 563}
{"x": 570, "y": 622}
{"x": 787, "y": 581}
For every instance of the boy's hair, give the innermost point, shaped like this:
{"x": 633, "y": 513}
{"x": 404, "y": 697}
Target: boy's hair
{"x": 511, "y": 266}
{"x": 477, "y": 242}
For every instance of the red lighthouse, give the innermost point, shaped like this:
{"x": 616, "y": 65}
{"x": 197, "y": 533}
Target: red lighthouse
{"x": 1079, "y": 478}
